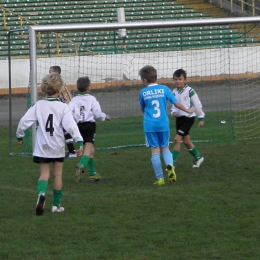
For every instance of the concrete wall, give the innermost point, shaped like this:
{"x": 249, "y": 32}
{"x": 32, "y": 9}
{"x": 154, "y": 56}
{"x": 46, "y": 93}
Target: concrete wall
{"x": 123, "y": 67}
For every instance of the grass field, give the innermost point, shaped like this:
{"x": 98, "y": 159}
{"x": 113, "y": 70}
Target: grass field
{"x": 209, "y": 213}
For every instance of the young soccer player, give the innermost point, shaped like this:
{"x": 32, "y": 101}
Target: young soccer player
{"x": 153, "y": 102}
{"x": 184, "y": 121}
{"x": 65, "y": 97}
{"x": 86, "y": 110}
{"x": 52, "y": 116}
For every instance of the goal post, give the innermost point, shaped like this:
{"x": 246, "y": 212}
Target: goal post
{"x": 225, "y": 73}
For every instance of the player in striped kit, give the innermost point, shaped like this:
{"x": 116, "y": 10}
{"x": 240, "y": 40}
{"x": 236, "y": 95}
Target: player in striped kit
{"x": 184, "y": 121}
{"x": 86, "y": 110}
{"x": 65, "y": 97}
{"x": 153, "y": 102}
{"x": 52, "y": 116}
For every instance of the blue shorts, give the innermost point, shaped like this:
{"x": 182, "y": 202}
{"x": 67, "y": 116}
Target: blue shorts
{"x": 157, "y": 139}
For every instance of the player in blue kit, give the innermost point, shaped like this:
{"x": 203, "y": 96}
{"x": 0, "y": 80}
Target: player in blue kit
{"x": 153, "y": 102}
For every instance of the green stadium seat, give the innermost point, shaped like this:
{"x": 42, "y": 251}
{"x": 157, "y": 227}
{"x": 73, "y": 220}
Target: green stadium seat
{"x": 60, "y": 12}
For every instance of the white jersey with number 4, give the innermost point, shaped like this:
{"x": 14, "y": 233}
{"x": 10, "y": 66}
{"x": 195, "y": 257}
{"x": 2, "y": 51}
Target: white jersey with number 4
{"x": 86, "y": 108}
{"x": 52, "y": 116}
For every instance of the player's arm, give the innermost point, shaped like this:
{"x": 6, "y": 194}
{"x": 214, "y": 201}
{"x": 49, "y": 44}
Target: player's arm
{"x": 71, "y": 127}
{"x": 26, "y": 121}
{"x": 199, "y": 112}
{"x": 98, "y": 114}
{"x": 141, "y": 102}
{"x": 177, "y": 104}
{"x": 183, "y": 108}
{"x": 174, "y": 110}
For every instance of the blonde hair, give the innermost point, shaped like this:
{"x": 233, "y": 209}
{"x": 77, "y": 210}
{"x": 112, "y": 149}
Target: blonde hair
{"x": 51, "y": 84}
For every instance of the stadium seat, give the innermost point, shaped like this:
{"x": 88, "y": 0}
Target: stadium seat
{"x": 65, "y": 12}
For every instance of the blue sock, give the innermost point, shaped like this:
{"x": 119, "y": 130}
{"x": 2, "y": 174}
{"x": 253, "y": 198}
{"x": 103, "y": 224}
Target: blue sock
{"x": 167, "y": 156}
{"x": 157, "y": 166}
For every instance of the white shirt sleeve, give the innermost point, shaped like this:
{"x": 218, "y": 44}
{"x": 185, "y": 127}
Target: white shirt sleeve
{"x": 70, "y": 125}
{"x": 197, "y": 104}
{"x": 97, "y": 112}
{"x": 26, "y": 121}
{"x": 174, "y": 109}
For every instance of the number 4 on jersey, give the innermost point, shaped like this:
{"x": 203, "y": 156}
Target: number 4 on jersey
{"x": 49, "y": 125}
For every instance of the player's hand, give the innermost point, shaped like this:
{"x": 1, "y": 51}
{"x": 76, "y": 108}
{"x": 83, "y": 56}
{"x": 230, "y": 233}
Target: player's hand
{"x": 201, "y": 123}
{"x": 20, "y": 142}
{"x": 191, "y": 110}
{"x": 79, "y": 152}
{"x": 175, "y": 114}
{"x": 107, "y": 117}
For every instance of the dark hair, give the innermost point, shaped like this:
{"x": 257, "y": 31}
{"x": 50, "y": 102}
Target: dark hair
{"x": 179, "y": 72}
{"x": 149, "y": 73}
{"x": 83, "y": 83}
{"x": 56, "y": 69}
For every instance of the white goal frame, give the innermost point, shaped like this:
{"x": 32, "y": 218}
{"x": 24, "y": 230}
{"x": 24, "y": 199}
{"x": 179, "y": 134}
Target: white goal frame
{"x": 116, "y": 26}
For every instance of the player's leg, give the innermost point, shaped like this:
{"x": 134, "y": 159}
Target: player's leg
{"x": 88, "y": 132}
{"x": 70, "y": 145}
{"x": 193, "y": 151}
{"x": 157, "y": 166}
{"x": 187, "y": 124}
{"x": 83, "y": 128}
{"x": 93, "y": 176}
{"x": 168, "y": 159}
{"x": 180, "y": 130}
{"x": 89, "y": 153}
{"x": 176, "y": 148}
{"x": 167, "y": 156}
{"x": 152, "y": 141}
{"x": 57, "y": 187}
{"x": 42, "y": 185}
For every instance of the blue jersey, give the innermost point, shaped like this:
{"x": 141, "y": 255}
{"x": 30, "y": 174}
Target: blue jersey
{"x": 153, "y": 101}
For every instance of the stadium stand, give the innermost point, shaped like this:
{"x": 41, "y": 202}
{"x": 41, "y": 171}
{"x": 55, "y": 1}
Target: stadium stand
{"x": 17, "y": 14}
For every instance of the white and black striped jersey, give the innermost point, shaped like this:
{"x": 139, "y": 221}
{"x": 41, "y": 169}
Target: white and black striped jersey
{"x": 188, "y": 98}
{"x": 52, "y": 116}
{"x": 65, "y": 95}
{"x": 86, "y": 108}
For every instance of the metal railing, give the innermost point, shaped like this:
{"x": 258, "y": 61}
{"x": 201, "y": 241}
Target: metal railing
{"x": 24, "y": 19}
{"x": 249, "y": 6}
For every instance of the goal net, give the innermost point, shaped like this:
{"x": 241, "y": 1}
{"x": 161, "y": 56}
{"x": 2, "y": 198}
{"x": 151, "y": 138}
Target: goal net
{"x": 220, "y": 56}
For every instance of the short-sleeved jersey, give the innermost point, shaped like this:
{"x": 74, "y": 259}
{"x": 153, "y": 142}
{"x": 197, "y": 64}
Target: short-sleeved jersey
{"x": 86, "y": 108}
{"x": 52, "y": 116}
{"x": 154, "y": 101}
{"x": 188, "y": 98}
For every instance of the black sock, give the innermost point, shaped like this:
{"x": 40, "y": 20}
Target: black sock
{"x": 69, "y": 142}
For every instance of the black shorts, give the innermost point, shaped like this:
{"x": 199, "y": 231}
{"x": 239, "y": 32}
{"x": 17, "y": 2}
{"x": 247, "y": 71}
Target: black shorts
{"x": 37, "y": 159}
{"x": 183, "y": 125}
{"x": 87, "y": 131}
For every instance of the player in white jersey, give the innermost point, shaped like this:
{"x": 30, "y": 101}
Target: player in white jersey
{"x": 86, "y": 110}
{"x": 65, "y": 97}
{"x": 52, "y": 117}
{"x": 153, "y": 102}
{"x": 184, "y": 121}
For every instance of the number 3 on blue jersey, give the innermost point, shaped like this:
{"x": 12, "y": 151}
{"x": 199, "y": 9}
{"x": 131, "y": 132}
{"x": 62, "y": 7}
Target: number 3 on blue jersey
{"x": 156, "y": 105}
